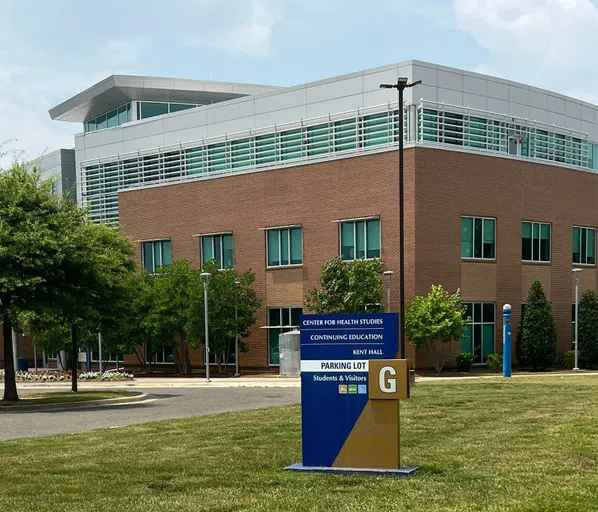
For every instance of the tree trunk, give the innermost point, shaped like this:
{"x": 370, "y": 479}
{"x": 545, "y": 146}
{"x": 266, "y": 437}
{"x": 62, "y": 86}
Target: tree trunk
{"x": 74, "y": 357}
{"x": 10, "y": 378}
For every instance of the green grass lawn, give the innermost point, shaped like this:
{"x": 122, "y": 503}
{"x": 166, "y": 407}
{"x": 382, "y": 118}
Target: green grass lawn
{"x": 64, "y": 397}
{"x": 526, "y": 444}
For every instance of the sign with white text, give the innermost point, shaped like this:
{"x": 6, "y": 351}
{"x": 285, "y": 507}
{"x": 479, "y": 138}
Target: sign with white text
{"x": 337, "y": 352}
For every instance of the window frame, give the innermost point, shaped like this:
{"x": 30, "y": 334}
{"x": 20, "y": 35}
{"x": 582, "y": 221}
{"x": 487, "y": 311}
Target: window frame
{"x": 282, "y": 328}
{"x": 482, "y": 258}
{"x": 365, "y": 234}
{"x": 481, "y": 323}
{"x": 154, "y": 241}
{"x": 147, "y": 352}
{"x": 280, "y": 229}
{"x": 587, "y": 228}
{"x": 221, "y": 236}
{"x": 540, "y": 224}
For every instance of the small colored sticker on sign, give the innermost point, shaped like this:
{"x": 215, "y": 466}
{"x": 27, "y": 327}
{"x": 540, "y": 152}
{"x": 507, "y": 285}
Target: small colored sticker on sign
{"x": 362, "y": 389}
{"x": 352, "y": 389}
{"x": 342, "y": 389}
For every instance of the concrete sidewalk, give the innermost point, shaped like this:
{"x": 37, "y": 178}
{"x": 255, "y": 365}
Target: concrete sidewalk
{"x": 258, "y": 382}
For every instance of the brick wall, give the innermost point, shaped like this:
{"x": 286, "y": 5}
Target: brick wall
{"x": 450, "y": 184}
{"x": 314, "y": 196}
{"x": 440, "y": 187}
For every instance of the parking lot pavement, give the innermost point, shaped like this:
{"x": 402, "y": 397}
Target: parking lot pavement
{"x": 163, "y": 404}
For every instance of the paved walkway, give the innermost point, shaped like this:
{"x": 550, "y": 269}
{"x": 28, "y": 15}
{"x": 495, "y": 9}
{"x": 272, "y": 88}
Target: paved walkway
{"x": 259, "y": 382}
{"x": 162, "y": 404}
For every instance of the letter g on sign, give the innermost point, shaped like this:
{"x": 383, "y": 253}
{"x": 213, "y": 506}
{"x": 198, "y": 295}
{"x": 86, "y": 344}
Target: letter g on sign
{"x": 387, "y": 379}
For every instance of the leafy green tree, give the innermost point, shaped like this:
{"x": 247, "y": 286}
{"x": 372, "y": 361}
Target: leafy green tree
{"x": 538, "y": 331}
{"x": 168, "y": 311}
{"x": 35, "y": 228}
{"x": 588, "y": 329}
{"x": 94, "y": 288}
{"x": 223, "y": 294}
{"x": 347, "y": 287}
{"x": 434, "y": 322}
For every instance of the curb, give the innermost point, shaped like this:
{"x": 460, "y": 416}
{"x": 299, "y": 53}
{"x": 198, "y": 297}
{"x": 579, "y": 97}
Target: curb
{"x": 12, "y": 409}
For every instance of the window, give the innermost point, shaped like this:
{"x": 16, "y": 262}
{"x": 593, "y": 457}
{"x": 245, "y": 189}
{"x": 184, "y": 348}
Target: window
{"x": 535, "y": 241}
{"x": 157, "y": 354}
{"x": 114, "y": 117}
{"x": 147, "y": 109}
{"x": 584, "y": 245}
{"x": 109, "y": 357}
{"x": 478, "y": 338}
{"x": 284, "y": 246}
{"x": 156, "y": 254}
{"x": 478, "y": 237}
{"x": 219, "y": 248}
{"x": 360, "y": 239}
{"x": 280, "y": 320}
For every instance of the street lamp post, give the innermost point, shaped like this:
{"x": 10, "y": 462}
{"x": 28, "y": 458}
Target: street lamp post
{"x": 205, "y": 278}
{"x": 576, "y": 272}
{"x": 237, "y": 283}
{"x": 388, "y": 278}
{"x": 402, "y": 84}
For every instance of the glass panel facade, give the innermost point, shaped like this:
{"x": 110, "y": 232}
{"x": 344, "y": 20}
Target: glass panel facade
{"x": 280, "y": 320}
{"x": 535, "y": 241}
{"x": 478, "y": 237}
{"x": 284, "y": 246}
{"x": 360, "y": 239}
{"x": 479, "y": 336}
{"x": 156, "y": 254}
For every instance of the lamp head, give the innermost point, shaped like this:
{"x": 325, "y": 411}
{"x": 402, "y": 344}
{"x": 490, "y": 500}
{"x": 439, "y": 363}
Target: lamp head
{"x": 205, "y": 277}
{"x": 575, "y": 270}
{"x": 388, "y": 274}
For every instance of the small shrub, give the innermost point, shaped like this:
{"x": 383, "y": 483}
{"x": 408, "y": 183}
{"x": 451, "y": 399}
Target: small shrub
{"x": 464, "y": 362}
{"x": 494, "y": 362}
{"x": 569, "y": 359}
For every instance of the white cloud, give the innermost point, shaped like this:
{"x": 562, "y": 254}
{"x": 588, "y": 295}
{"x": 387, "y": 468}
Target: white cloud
{"x": 248, "y": 30}
{"x": 550, "y": 43}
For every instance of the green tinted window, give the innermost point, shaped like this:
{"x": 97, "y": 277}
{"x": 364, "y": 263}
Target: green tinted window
{"x": 177, "y": 107}
{"x": 194, "y": 158}
{"x": 479, "y": 336}
{"x": 151, "y": 109}
{"x": 156, "y": 254}
{"x": 285, "y": 246}
{"x": 584, "y": 245}
{"x": 265, "y": 149}
{"x": 273, "y": 246}
{"x": 360, "y": 239}
{"x": 240, "y": 153}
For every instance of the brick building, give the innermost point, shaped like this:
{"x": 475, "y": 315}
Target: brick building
{"x": 500, "y": 179}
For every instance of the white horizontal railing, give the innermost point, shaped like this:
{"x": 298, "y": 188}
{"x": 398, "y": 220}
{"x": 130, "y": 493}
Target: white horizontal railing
{"x": 347, "y": 133}
{"x": 482, "y": 130}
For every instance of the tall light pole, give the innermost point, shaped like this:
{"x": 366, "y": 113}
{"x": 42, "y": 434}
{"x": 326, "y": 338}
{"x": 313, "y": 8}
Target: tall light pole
{"x": 205, "y": 279}
{"x": 237, "y": 284}
{"x": 576, "y": 272}
{"x": 388, "y": 278}
{"x": 402, "y": 84}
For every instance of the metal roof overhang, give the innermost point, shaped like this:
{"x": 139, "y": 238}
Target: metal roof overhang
{"x": 119, "y": 89}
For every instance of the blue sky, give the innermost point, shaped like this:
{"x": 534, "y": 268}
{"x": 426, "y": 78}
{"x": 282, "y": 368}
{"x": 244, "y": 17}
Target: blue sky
{"x": 52, "y": 50}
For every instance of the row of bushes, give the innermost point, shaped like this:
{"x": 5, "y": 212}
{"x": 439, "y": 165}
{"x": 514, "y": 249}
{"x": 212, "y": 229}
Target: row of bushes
{"x": 465, "y": 362}
{"x": 58, "y": 376}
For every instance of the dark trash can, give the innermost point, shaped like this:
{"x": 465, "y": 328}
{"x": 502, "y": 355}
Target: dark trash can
{"x": 22, "y": 364}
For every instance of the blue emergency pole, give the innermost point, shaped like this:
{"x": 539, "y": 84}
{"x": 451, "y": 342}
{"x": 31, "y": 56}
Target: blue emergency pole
{"x": 506, "y": 340}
